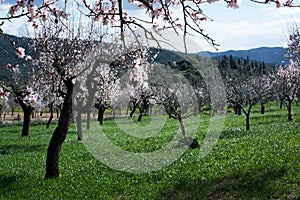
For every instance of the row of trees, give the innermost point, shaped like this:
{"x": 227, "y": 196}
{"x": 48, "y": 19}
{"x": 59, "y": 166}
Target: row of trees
{"x": 247, "y": 84}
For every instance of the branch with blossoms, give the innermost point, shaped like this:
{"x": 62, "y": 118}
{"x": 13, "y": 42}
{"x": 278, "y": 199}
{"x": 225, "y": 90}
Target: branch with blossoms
{"x": 28, "y": 8}
{"x": 4, "y": 92}
{"x": 159, "y": 14}
{"x": 293, "y": 51}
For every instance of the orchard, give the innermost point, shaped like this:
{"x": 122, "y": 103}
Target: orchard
{"x": 96, "y": 64}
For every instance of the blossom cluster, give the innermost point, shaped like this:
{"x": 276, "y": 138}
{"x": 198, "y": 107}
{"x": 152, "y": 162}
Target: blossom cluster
{"x": 32, "y": 98}
{"x": 21, "y": 54}
{"x": 34, "y": 13}
{"x": 4, "y": 93}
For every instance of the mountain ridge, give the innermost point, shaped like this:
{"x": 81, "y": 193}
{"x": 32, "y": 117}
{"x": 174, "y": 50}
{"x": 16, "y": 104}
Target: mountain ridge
{"x": 270, "y": 55}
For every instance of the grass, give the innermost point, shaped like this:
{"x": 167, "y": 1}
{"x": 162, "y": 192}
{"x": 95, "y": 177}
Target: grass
{"x": 263, "y": 163}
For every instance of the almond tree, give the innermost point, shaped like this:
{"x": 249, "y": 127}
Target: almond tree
{"x": 287, "y": 85}
{"x": 9, "y": 103}
{"x": 21, "y": 86}
{"x": 135, "y": 83}
{"x": 66, "y": 52}
{"x": 287, "y": 79}
{"x": 61, "y": 47}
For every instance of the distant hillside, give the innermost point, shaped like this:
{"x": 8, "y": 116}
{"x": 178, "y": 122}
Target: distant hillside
{"x": 268, "y": 55}
{"x": 271, "y": 55}
{"x": 8, "y": 54}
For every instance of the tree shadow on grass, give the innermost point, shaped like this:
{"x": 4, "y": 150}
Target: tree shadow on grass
{"x": 6, "y": 182}
{"x": 267, "y": 119}
{"x": 234, "y": 133}
{"x": 258, "y": 184}
{"x": 17, "y": 148}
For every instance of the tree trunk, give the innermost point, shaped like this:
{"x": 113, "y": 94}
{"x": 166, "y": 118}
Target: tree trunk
{"x": 262, "y": 108}
{"x": 140, "y": 115}
{"x": 132, "y": 112}
{"x": 239, "y": 110}
{"x": 289, "y": 108}
{"x": 79, "y": 126}
{"x": 182, "y": 126}
{"x": 57, "y": 113}
{"x": 88, "y": 120}
{"x": 281, "y": 103}
{"x": 248, "y": 121}
{"x": 51, "y": 116}
{"x": 247, "y": 114}
{"x": 27, "y": 110}
{"x": 26, "y": 119}
{"x": 100, "y": 115}
{"x": 127, "y": 110}
{"x": 60, "y": 133}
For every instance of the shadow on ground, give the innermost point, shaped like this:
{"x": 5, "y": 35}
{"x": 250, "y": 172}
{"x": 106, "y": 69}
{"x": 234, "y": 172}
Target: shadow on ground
{"x": 17, "y": 148}
{"x": 256, "y": 184}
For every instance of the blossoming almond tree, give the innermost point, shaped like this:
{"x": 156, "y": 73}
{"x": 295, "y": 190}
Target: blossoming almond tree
{"x": 287, "y": 79}
{"x": 140, "y": 92}
{"x": 62, "y": 48}
{"x": 287, "y": 85}
{"x": 106, "y": 90}
{"x": 67, "y": 50}
{"x": 21, "y": 87}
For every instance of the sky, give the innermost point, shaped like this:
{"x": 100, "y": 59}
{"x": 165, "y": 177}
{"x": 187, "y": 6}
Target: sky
{"x": 250, "y": 26}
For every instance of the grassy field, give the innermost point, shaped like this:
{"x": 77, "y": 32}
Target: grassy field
{"x": 263, "y": 163}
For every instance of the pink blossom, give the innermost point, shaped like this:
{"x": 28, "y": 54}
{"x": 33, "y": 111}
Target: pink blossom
{"x": 47, "y": 2}
{"x": 278, "y": 4}
{"x": 15, "y": 69}
{"x": 20, "y": 52}
{"x": 13, "y": 10}
{"x": 29, "y": 90}
{"x": 233, "y": 4}
{"x": 21, "y": 3}
{"x": 28, "y": 58}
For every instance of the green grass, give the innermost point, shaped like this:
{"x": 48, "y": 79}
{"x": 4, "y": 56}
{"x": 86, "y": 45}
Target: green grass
{"x": 263, "y": 163}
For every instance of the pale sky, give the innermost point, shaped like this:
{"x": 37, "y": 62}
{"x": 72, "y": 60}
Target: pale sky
{"x": 252, "y": 25}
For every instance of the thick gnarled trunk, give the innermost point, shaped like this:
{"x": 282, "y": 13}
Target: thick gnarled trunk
{"x": 27, "y": 110}
{"x": 59, "y": 135}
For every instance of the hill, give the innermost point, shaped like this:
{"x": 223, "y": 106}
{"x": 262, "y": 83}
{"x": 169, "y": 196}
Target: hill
{"x": 268, "y": 55}
{"x": 8, "y": 55}
{"x": 271, "y": 55}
